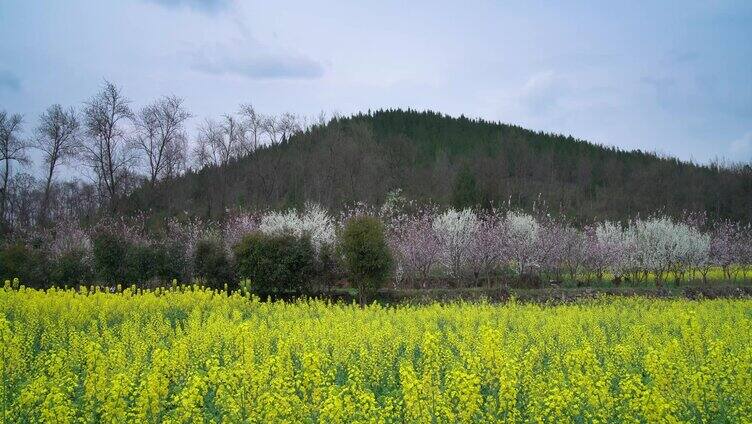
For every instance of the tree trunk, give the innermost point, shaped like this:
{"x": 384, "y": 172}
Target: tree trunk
{"x": 43, "y": 218}
{"x": 4, "y": 198}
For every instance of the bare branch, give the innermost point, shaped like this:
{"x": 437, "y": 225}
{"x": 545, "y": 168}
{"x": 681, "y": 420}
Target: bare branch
{"x": 106, "y": 149}
{"x": 161, "y": 136}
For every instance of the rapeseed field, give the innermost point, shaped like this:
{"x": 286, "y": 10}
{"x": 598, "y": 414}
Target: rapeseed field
{"x": 189, "y": 354}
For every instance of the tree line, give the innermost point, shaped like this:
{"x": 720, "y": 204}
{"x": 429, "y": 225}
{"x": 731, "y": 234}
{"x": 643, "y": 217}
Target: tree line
{"x": 114, "y": 149}
{"x": 130, "y": 160}
{"x": 311, "y": 249}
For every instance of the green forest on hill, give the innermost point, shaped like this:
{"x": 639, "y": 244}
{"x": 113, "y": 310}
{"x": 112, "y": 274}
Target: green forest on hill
{"x": 452, "y": 161}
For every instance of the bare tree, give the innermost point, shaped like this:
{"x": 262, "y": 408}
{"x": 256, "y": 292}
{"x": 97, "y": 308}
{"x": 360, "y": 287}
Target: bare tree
{"x": 288, "y": 125}
{"x": 271, "y": 129}
{"x": 176, "y": 157}
{"x": 233, "y": 135}
{"x": 209, "y": 137}
{"x": 106, "y": 151}
{"x": 12, "y": 149}
{"x": 254, "y": 125}
{"x": 76, "y": 200}
{"x": 161, "y": 136}
{"x": 217, "y": 143}
{"x": 23, "y": 202}
{"x": 280, "y": 129}
{"x": 57, "y": 137}
{"x": 321, "y": 119}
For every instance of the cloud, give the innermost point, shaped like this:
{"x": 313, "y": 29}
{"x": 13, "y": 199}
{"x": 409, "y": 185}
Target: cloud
{"x": 9, "y": 81}
{"x": 741, "y": 148}
{"x": 206, "y": 6}
{"x": 224, "y": 60}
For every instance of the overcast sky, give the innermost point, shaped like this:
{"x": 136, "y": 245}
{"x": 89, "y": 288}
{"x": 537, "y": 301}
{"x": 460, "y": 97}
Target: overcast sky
{"x": 672, "y": 77}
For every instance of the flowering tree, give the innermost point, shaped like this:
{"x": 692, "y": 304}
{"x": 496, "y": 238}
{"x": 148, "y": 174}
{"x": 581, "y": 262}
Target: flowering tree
{"x": 614, "y": 245}
{"x": 521, "y": 232}
{"x": 314, "y": 222}
{"x": 663, "y": 245}
{"x": 67, "y": 237}
{"x": 237, "y": 226}
{"x": 573, "y": 251}
{"x": 456, "y": 231}
{"x": 726, "y": 246}
{"x": 416, "y": 246}
{"x": 425, "y": 242}
{"x": 745, "y": 244}
{"x": 486, "y": 251}
{"x": 185, "y": 235}
{"x": 654, "y": 245}
{"x": 550, "y": 250}
{"x": 319, "y": 225}
{"x": 692, "y": 250}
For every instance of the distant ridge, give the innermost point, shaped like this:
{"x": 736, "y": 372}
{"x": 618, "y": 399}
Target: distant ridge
{"x": 453, "y": 161}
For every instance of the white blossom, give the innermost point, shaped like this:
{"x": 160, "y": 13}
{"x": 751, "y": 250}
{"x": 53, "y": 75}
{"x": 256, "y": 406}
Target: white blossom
{"x": 521, "y": 244}
{"x": 314, "y": 222}
{"x": 456, "y": 231}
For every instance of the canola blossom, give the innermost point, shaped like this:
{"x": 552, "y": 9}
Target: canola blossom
{"x": 188, "y": 354}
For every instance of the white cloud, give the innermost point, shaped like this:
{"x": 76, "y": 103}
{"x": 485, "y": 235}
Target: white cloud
{"x": 250, "y": 60}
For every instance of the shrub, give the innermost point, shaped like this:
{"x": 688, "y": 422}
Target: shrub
{"x": 120, "y": 260}
{"x": 366, "y": 255}
{"x": 19, "y": 261}
{"x": 110, "y": 252}
{"x": 143, "y": 263}
{"x": 275, "y": 263}
{"x": 328, "y": 271}
{"x": 526, "y": 280}
{"x": 211, "y": 265}
{"x": 171, "y": 262}
{"x": 71, "y": 269}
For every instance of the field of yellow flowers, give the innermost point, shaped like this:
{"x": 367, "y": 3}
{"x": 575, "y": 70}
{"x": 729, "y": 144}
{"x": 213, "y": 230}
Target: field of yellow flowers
{"x": 193, "y": 355}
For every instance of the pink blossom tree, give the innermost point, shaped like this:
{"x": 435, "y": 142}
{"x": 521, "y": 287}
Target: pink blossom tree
{"x": 416, "y": 246}
{"x": 486, "y": 252}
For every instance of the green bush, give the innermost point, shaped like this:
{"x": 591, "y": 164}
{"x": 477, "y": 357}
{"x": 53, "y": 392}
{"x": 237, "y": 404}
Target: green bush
{"x": 117, "y": 260}
{"x": 211, "y": 265}
{"x": 273, "y": 264}
{"x": 366, "y": 255}
{"x": 328, "y": 270}
{"x": 71, "y": 269}
{"x": 173, "y": 262}
{"x": 142, "y": 263}
{"x": 19, "y": 261}
{"x": 110, "y": 254}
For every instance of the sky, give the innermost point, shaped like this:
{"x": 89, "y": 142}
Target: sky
{"x": 664, "y": 76}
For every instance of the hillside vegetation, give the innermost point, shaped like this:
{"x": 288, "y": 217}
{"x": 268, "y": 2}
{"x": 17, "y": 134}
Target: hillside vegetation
{"x": 452, "y": 161}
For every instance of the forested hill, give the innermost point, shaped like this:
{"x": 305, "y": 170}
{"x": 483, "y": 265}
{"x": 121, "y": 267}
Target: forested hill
{"x": 457, "y": 161}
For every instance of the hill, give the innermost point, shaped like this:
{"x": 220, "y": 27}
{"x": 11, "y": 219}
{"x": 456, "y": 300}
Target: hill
{"x": 457, "y": 161}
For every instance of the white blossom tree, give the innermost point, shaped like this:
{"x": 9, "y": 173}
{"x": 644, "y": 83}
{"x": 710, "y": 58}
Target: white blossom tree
{"x": 521, "y": 231}
{"x": 456, "y": 231}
